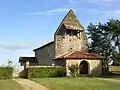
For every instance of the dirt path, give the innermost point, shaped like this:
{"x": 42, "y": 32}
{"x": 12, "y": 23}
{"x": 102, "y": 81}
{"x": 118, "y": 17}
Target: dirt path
{"x": 111, "y": 80}
{"x": 30, "y": 85}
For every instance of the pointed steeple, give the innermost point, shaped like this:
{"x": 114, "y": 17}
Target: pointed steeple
{"x": 70, "y": 16}
{"x": 70, "y": 22}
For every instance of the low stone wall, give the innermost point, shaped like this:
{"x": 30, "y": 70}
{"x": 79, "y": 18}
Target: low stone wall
{"x": 19, "y": 72}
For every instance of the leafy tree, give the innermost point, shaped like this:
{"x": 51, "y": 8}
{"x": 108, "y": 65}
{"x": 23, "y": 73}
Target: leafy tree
{"x": 105, "y": 39}
{"x": 100, "y": 42}
{"x": 114, "y": 32}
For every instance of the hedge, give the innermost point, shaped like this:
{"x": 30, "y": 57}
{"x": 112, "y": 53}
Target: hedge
{"x": 41, "y": 72}
{"x": 6, "y": 72}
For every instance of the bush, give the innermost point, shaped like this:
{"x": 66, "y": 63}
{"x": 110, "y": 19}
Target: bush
{"x": 74, "y": 69}
{"x": 6, "y": 72}
{"x": 40, "y": 72}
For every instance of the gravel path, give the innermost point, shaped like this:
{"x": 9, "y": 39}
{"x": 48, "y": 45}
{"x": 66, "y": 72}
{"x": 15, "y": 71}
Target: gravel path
{"x": 30, "y": 85}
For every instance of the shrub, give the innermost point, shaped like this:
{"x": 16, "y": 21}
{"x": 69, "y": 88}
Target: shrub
{"x": 74, "y": 69}
{"x": 6, "y": 72}
{"x": 40, "y": 72}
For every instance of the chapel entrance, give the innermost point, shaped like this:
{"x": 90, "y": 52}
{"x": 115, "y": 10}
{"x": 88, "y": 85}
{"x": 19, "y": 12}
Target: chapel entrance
{"x": 84, "y": 67}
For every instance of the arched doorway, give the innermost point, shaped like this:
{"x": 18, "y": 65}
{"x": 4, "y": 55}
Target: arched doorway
{"x": 84, "y": 67}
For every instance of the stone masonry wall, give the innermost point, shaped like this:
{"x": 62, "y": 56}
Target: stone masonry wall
{"x": 66, "y": 43}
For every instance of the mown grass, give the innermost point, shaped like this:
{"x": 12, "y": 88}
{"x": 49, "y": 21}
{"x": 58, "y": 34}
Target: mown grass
{"x": 9, "y": 85}
{"x": 114, "y": 69}
{"x": 79, "y": 83}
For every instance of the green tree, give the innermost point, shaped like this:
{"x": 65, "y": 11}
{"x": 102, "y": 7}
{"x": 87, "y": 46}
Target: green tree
{"x": 105, "y": 39}
{"x": 100, "y": 41}
{"x": 114, "y": 33}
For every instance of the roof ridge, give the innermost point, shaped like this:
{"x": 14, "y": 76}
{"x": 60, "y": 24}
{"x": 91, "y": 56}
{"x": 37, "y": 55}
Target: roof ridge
{"x": 79, "y": 55}
{"x": 62, "y": 54}
{"x": 69, "y": 53}
{"x": 44, "y": 45}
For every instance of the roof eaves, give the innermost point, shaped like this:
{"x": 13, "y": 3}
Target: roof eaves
{"x": 44, "y": 45}
{"x": 24, "y": 59}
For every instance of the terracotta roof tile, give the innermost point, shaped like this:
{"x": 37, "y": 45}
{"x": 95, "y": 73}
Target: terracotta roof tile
{"x": 79, "y": 55}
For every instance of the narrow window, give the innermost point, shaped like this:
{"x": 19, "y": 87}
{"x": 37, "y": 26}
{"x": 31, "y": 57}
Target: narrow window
{"x": 75, "y": 32}
{"x": 68, "y": 32}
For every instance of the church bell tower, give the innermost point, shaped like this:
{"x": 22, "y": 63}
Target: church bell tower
{"x": 70, "y": 36}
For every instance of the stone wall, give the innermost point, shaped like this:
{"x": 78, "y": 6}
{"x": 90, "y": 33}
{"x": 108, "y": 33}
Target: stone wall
{"x": 19, "y": 71}
{"x": 60, "y": 62}
{"x": 45, "y": 55}
{"x": 70, "y": 42}
{"x": 94, "y": 66}
{"x": 33, "y": 64}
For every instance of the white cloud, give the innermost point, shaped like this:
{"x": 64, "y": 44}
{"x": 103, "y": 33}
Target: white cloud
{"x": 13, "y": 46}
{"x": 14, "y": 50}
{"x": 49, "y": 12}
{"x": 113, "y": 13}
{"x": 12, "y": 55}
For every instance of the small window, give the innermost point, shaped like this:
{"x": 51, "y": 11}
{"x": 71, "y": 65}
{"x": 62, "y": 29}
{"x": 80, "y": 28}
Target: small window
{"x": 75, "y": 33}
{"x": 68, "y": 32}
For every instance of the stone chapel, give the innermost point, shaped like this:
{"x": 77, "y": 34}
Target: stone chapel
{"x": 69, "y": 47}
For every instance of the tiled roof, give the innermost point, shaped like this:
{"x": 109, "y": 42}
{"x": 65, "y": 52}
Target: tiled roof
{"x": 24, "y": 59}
{"x": 78, "y": 55}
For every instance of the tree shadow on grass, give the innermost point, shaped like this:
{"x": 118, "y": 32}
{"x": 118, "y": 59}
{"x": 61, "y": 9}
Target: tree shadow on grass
{"x": 114, "y": 74}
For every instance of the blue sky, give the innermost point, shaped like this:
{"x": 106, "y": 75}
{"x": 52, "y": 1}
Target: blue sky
{"x": 28, "y": 24}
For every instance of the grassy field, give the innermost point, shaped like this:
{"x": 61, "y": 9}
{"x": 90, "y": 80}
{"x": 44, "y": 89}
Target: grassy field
{"x": 79, "y": 83}
{"x": 114, "y": 72}
{"x": 114, "y": 69}
{"x": 9, "y": 85}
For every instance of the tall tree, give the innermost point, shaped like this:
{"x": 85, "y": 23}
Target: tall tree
{"x": 114, "y": 32}
{"x": 105, "y": 38}
{"x": 100, "y": 42}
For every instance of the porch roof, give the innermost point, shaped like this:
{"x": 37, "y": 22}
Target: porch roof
{"x": 24, "y": 59}
{"x": 78, "y": 55}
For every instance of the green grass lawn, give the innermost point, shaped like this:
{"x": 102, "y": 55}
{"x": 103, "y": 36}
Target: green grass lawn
{"x": 9, "y": 85}
{"x": 79, "y": 83}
